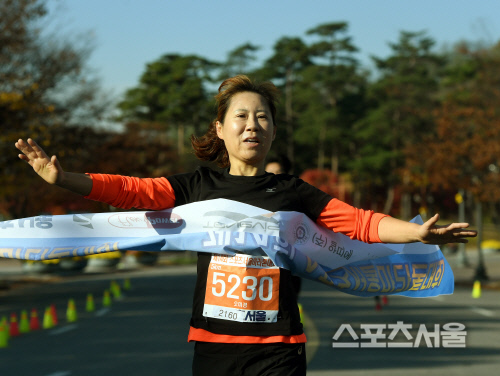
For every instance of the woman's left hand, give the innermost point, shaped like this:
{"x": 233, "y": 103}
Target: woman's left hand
{"x": 431, "y": 233}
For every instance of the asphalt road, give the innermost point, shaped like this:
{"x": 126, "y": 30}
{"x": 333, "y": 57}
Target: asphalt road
{"x": 144, "y": 333}
{"x": 328, "y": 310}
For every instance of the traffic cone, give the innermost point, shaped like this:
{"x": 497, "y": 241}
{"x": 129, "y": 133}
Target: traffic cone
{"x": 106, "y": 299}
{"x": 71, "y": 315}
{"x": 301, "y": 312}
{"x": 34, "y": 322}
{"x": 53, "y": 311}
{"x": 476, "y": 290}
{"x": 90, "y": 306}
{"x": 4, "y": 336}
{"x": 385, "y": 300}
{"x": 116, "y": 290}
{"x": 14, "y": 326}
{"x": 6, "y": 325}
{"x": 378, "y": 306}
{"x": 24, "y": 324}
{"x": 126, "y": 284}
{"x": 48, "y": 320}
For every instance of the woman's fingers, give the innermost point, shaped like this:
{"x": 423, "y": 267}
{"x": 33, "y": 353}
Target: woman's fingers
{"x": 24, "y": 147}
{"x": 30, "y": 149}
{"x": 37, "y": 149}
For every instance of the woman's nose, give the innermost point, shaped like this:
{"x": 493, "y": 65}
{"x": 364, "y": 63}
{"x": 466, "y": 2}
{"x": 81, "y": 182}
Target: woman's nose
{"x": 252, "y": 123}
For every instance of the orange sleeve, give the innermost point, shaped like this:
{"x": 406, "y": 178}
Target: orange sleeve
{"x": 127, "y": 192}
{"x": 356, "y": 223}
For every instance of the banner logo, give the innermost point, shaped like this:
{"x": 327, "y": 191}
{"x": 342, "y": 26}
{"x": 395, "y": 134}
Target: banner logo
{"x": 157, "y": 220}
{"x": 84, "y": 220}
{"x": 301, "y": 234}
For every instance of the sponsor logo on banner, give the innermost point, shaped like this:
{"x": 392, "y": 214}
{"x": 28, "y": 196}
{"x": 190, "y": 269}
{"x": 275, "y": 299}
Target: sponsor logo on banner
{"x": 163, "y": 220}
{"x": 239, "y": 221}
{"x": 301, "y": 234}
{"x": 84, "y": 220}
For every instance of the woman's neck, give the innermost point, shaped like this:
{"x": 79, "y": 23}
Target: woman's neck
{"x": 246, "y": 170}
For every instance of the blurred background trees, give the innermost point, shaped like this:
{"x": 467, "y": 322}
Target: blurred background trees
{"x": 404, "y": 138}
{"x": 47, "y": 92}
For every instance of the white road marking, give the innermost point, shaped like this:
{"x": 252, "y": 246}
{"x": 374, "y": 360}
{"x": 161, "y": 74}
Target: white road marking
{"x": 102, "y": 312}
{"x": 438, "y": 298}
{"x": 63, "y": 329}
{"x": 60, "y": 373}
{"x": 482, "y": 311}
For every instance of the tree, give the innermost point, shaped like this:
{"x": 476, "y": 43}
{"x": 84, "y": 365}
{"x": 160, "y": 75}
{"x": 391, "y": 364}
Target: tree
{"x": 464, "y": 151}
{"x": 172, "y": 92}
{"x": 238, "y": 61}
{"x": 43, "y": 78}
{"x": 290, "y": 57}
{"x": 45, "y": 92}
{"x": 463, "y": 155}
{"x": 138, "y": 151}
{"x": 403, "y": 99}
{"x": 331, "y": 78}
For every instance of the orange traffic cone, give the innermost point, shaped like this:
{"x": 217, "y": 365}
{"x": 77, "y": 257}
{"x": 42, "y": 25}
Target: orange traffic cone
{"x": 14, "y": 326}
{"x": 24, "y": 325}
{"x": 34, "y": 322}
{"x": 53, "y": 312}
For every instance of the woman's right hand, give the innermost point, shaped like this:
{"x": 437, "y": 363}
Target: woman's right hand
{"x": 49, "y": 169}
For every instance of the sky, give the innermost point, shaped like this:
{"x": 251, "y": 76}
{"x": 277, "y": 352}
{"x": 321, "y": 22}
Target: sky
{"x": 128, "y": 34}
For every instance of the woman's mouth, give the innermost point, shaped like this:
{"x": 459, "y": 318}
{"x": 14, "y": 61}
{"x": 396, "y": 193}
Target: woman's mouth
{"x": 251, "y": 141}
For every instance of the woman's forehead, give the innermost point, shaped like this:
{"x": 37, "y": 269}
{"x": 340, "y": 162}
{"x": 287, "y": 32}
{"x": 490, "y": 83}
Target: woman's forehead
{"x": 248, "y": 100}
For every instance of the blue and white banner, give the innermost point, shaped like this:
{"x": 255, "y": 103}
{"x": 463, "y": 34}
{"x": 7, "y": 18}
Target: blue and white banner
{"x": 226, "y": 227}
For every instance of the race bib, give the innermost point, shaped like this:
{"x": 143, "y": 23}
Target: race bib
{"x": 242, "y": 288}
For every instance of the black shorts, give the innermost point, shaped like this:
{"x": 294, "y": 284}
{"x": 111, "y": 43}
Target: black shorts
{"x": 224, "y": 359}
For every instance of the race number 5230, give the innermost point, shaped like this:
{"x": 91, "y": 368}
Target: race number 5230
{"x": 244, "y": 289}
{"x": 248, "y": 287}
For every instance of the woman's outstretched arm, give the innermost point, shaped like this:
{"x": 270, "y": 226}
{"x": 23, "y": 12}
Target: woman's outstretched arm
{"x": 50, "y": 170}
{"x": 392, "y": 230}
{"x": 370, "y": 227}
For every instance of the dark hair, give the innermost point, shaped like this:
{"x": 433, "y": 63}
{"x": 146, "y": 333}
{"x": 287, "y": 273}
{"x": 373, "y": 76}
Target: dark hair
{"x": 282, "y": 160}
{"x": 210, "y": 147}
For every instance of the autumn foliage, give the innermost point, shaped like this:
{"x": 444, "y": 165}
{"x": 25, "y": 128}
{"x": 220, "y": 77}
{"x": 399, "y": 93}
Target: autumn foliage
{"x": 426, "y": 126}
{"x": 464, "y": 150}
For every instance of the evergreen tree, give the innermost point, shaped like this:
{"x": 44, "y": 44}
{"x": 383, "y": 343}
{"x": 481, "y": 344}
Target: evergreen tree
{"x": 403, "y": 99}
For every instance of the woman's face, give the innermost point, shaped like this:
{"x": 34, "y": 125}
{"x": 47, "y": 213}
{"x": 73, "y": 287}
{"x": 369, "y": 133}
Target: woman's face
{"x": 248, "y": 132}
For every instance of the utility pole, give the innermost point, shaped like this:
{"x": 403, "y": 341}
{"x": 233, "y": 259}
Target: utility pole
{"x": 480, "y": 269}
{"x": 462, "y": 256}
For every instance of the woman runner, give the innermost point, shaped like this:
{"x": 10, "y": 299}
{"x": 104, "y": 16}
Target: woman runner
{"x": 239, "y": 140}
